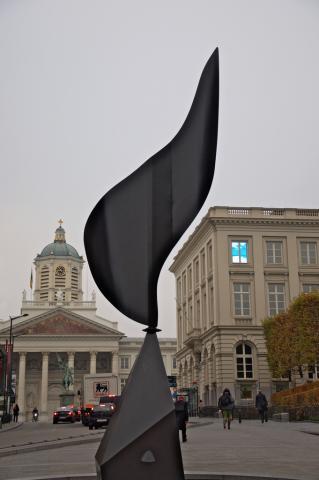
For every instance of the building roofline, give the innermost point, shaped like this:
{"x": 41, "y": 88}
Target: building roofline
{"x": 241, "y": 214}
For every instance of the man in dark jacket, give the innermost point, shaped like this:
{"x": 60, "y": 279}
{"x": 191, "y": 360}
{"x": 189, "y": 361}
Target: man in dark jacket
{"x": 262, "y": 406}
{"x": 181, "y": 411}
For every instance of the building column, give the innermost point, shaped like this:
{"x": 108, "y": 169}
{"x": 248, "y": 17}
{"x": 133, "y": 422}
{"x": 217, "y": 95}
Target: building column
{"x": 115, "y": 369}
{"x": 21, "y": 385}
{"x": 115, "y": 363}
{"x": 93, "y": 363}
{"x": 71, "y": 366}
{"x": 44, "y": 387}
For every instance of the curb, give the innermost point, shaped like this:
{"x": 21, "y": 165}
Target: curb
{"x": 188, "y": 476}
{"x": 11, "y": 427}
{"x": 49, "y": 445}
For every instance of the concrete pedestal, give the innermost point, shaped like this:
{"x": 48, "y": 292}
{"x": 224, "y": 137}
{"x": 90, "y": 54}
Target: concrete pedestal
{"x": 67, "y": 399}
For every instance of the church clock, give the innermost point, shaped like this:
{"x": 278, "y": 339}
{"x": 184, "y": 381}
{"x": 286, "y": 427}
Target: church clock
{"x": 60, "y": 271}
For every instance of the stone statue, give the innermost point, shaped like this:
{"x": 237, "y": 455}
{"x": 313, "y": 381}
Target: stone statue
{"x": 93, "y": 296}
{"x": 24, "y": 295}
{"x": 59, "y": 295}
{"x": 68, "y": 373}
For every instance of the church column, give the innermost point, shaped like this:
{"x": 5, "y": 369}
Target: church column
{"x": 71, "y": 366}
{"x": 93, "y": 363}
{"x": 21, "y": 385}
{"x": 115, "y": 363}
{"x": 115, "y": 368}
{"x": 44, "y": 387}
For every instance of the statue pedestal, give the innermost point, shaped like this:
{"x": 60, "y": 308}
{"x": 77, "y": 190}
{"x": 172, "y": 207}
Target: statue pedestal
{"x": 66, "y": 399}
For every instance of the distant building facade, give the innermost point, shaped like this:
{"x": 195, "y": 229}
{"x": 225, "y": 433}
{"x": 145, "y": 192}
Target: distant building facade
{"x": 61, "y": 326}
{"x": 238, "y": 267}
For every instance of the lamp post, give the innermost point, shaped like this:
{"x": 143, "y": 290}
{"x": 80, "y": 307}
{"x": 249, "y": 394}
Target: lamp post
{"x": 8, "y": 380}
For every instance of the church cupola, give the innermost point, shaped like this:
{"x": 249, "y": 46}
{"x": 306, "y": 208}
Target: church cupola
{"x": 58, "y": 272}
{"x": 60, "y": 233}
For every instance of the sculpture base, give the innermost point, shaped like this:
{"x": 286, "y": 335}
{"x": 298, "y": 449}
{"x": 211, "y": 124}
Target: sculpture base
{"x": 142, "y": 442}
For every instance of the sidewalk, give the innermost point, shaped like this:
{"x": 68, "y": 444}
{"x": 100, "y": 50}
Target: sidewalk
{"x": 288, "y": 450}
{"x": 6, "y": 427}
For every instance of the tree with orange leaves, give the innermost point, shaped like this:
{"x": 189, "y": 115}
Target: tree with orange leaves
{"x": 292, "y": 337}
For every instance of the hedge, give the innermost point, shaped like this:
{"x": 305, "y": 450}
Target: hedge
{"x": 304, "y": 395}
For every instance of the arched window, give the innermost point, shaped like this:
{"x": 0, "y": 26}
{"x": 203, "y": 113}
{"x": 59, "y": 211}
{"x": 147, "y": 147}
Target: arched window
{"x": 244, "y": 361}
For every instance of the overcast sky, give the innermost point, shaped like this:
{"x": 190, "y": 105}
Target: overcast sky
{"x": 90, "y": 89}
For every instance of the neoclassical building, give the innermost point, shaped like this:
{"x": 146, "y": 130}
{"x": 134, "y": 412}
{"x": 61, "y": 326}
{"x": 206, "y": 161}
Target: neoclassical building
{"x": 62, "y": 326}
{"x": 239, "y": 266}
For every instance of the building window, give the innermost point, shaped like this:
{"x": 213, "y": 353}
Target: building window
{"x": 44, "y": 277}
{"x": 186, "y": 323}
{"x": 204, "y": 309}
{"x": 124, "y": 363}
{"x": 184, "y": 285}
{"x": 189, "y": 279}
{"x": 189, "y": 317}
{"x": 242, "y": 299}
{"x": 210, "y": 256}
{"x": 310, "y": 287}
{"x": 239, "y": 251}
{"x": 274, "y": 252}
{"x": 196, "y": 272}
{"x": 203, "y": 264}
{"x": 174, "y": 364}
{"x": 276, "y": 298}
{"x": 179, "y": 291}
{"x": 123, "y": 383}
{"x": 308, "y": 253}
{"x": 244, "y": 361}
{"x": 74, "y": 278}
{"x": 211, "y": 304}
{"x": 246, "y": 391}
{"x": 313, "y": 372}
{"x": 197, "y": 314}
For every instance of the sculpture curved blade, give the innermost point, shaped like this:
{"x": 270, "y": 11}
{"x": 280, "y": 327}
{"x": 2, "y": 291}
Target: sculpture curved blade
{"x": 135, "y": 225}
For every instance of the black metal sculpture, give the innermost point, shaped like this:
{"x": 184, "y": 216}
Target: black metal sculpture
{"x": 128, "y": 236}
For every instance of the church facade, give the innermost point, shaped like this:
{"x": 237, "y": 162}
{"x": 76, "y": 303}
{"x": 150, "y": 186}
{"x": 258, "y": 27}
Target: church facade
{"x": 61, "y": 328}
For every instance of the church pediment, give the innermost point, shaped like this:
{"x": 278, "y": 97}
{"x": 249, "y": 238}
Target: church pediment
{"x": 60, "y": 323}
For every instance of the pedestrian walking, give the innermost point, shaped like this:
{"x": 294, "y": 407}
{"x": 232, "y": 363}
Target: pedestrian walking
{"x": 226, "y": 405}
{"x": 262, "y": 406}
{"x": 181, "y": 411}
{"x": 16, "y": 410}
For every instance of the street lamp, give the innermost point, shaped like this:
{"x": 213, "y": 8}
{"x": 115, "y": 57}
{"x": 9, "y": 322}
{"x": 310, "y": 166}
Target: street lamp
{"x": 8, "y": 381}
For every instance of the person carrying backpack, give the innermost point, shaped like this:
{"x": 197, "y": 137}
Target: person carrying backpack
{"x": 226, "y": 404}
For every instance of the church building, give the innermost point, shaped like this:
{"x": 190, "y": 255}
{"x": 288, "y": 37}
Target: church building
{"x": 61, "y": 327}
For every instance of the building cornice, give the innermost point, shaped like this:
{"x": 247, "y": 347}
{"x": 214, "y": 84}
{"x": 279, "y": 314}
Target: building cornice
{"x": 223, "y": 215}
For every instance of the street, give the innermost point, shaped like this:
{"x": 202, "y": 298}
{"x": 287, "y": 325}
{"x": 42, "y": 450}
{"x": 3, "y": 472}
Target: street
{"x": 289, "y": 450}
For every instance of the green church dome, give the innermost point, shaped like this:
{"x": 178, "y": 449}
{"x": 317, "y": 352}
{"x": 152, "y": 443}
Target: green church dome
{"x": 59, "y": 248}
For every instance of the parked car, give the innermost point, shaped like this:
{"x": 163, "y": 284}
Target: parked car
{"x": 100, "y": 415}
{"x": 64, "y": 414}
